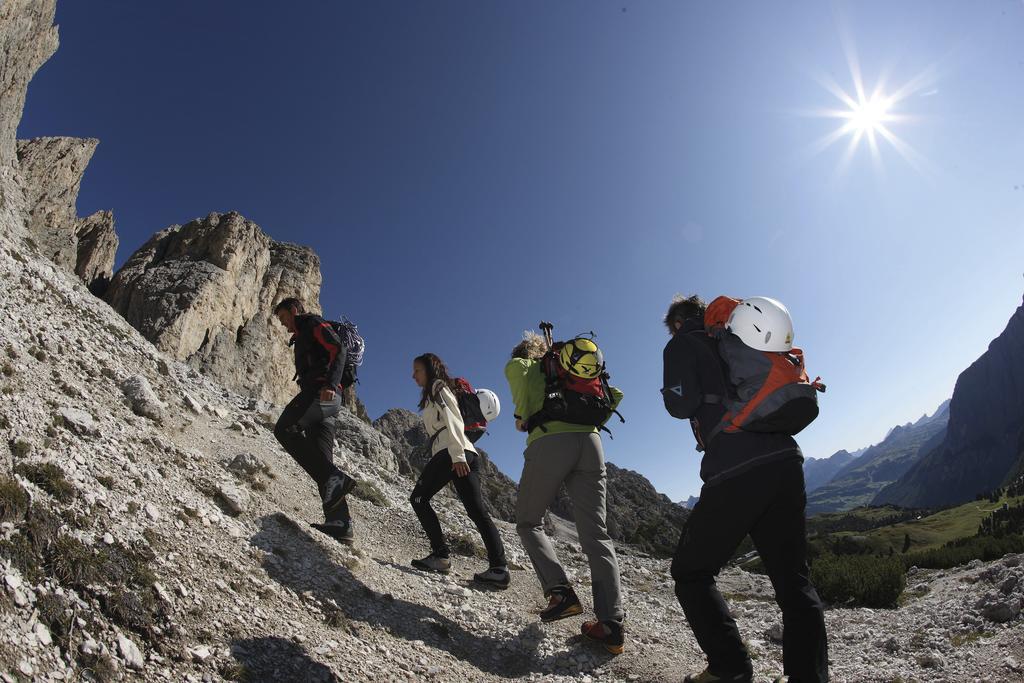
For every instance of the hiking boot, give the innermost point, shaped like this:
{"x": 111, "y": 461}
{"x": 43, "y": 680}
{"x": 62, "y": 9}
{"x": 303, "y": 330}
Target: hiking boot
{"x": 563, "y": 603}
{"x": 433, "y": 563}
{"x": 706, "y": 676}
{"x": 335, "y": 490}
{"x": 340, "y": 530}
{"x": 495, "y": 576}
{"x": 608, "y": 633}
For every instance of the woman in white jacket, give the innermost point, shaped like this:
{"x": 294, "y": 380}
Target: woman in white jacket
{"x": 453, "y": 457}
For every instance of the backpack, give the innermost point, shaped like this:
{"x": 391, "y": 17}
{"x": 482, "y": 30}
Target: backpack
{"x": 572, "y": 399}
{"x": 355, "y": 346}
{"x": 768, "y": 391}
{"x": 472, "y": 414}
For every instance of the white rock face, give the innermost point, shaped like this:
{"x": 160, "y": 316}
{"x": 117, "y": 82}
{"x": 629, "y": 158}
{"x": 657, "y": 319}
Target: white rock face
{"x": 204, "y": 293}
{"x": 53, "y": 170}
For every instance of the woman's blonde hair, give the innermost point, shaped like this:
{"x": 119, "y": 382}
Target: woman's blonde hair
{"x": 532, "y": 347}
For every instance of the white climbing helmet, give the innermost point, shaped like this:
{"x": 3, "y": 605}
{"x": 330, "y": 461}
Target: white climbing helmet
{"x": 763, "y": 324}
{"x": 489, "y": 404}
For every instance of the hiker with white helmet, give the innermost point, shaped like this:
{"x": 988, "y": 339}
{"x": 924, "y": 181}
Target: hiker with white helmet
{"x": 732, "y": 371}
{"x": 455, "y": 416}
{"x": 562, "y": 399}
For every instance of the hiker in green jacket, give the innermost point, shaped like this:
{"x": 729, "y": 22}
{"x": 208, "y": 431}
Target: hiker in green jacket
{"x": 556, "y": 452}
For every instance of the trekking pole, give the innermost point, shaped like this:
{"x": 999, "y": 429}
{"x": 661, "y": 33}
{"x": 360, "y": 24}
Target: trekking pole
{"x": 546, "y": 328}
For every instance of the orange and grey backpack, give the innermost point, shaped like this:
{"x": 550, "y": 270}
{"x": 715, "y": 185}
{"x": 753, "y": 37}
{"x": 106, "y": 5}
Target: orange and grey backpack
{"x": 767, "y": 391}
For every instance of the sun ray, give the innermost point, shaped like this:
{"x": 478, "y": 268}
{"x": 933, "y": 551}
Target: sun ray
{"x": 868, "y": 113}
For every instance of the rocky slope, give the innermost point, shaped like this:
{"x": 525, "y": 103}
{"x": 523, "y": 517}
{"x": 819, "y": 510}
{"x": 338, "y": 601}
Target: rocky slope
{"x": 880, "y": 465}
{"x": 193, "y": 559}
{"x": 986, "y": 427}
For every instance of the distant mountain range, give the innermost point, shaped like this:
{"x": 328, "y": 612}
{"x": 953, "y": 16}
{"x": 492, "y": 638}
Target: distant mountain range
{"x": 857, "y": 480}
{"x": 983, "y": 448}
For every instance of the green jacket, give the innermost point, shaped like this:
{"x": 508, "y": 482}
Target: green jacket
{"x": 526, "y": 380}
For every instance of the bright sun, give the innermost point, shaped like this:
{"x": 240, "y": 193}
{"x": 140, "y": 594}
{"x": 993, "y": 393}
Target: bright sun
{"x": 869, "y": 115}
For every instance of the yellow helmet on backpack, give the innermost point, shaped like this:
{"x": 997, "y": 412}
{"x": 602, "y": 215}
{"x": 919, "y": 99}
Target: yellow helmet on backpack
{"x": 582, "y": 358}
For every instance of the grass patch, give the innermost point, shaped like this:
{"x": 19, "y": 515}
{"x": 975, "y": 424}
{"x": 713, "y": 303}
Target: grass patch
{"x": 49, "y": 478}
{"x": 961, "y": 639}
{"x": 365, "y": 490}
{"x": 14, "y": 500}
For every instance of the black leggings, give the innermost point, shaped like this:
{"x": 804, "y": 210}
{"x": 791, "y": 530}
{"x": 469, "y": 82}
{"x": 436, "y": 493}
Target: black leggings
{"x": 435, "y": 475}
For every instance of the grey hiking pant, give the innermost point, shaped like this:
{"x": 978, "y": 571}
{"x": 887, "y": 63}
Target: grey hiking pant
{"x": 578, "y": 460}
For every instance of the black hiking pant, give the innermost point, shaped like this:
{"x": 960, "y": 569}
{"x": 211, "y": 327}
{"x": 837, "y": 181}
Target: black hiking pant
{"x": 306, "y": 430}
{"x": 768, "y": 503}
{"x": 437, "y": 473}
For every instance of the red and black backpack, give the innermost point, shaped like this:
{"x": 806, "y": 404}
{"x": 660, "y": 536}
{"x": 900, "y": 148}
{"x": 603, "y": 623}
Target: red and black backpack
{"x": 572, "y": 399}
{"x": 469, "y": 407}
{"x": 767, "y": 391}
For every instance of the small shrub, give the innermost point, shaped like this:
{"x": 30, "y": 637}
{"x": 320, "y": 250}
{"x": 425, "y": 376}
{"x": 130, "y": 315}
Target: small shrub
{"x": 365, "y": 490}
{"x": 859, "y": 580}
{"x": 97, "y": 667}
{"x": 41, "y": 527}
{"x": 258, "y": 485}
{"x": 21, "y": 447}
{"x": 5, "y": 422}
{"x": 466, "y": 545}
{"x": 74, "y": 563}
{"x": 334, "y": 617}
{"x": 235, "y": 671}
{"x": 8, "y": 369}
{"x": 106, "y": 481}
{"x": 55, "y": 613}
{"x": 13, "y": 500}
{"x": 49, "y": 478}
{"x": 19, "y": 552}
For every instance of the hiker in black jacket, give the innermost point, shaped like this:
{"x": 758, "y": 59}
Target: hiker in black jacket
{"x": 753, "y": 484}
{"x": 306, "y": 426}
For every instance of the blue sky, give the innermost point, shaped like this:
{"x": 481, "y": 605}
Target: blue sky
{"x": 466, "y": 169}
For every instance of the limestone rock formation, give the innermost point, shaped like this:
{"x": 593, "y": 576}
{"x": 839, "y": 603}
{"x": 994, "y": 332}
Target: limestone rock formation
{"x": 27, "y": 39}
{"x": 204, "y": 294}
{"x": 52, "y": 170}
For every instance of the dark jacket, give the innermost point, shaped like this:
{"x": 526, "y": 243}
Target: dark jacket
{"x": 694, "y": 369}
{"x": 319, "y": 354}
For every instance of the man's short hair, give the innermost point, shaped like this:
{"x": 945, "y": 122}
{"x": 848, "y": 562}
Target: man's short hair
{"x": 683, "y": 307}
{"x": 290, "y": 302}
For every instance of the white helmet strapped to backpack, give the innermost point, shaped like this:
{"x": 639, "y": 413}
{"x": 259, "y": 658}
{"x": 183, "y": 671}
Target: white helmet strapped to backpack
{"x": 489, "y": 404}
{"x": 763, "y": 324}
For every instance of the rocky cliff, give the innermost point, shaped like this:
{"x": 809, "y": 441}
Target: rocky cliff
{"x": 52, "y": 169}
{"x": 986, "y": 427}
{"x": 204, "y": 294}
{"x": 27, "y": 39}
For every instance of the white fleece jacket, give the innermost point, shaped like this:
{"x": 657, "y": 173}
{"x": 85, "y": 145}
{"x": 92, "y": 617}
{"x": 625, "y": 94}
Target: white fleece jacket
{"x": 442, "y": 417}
